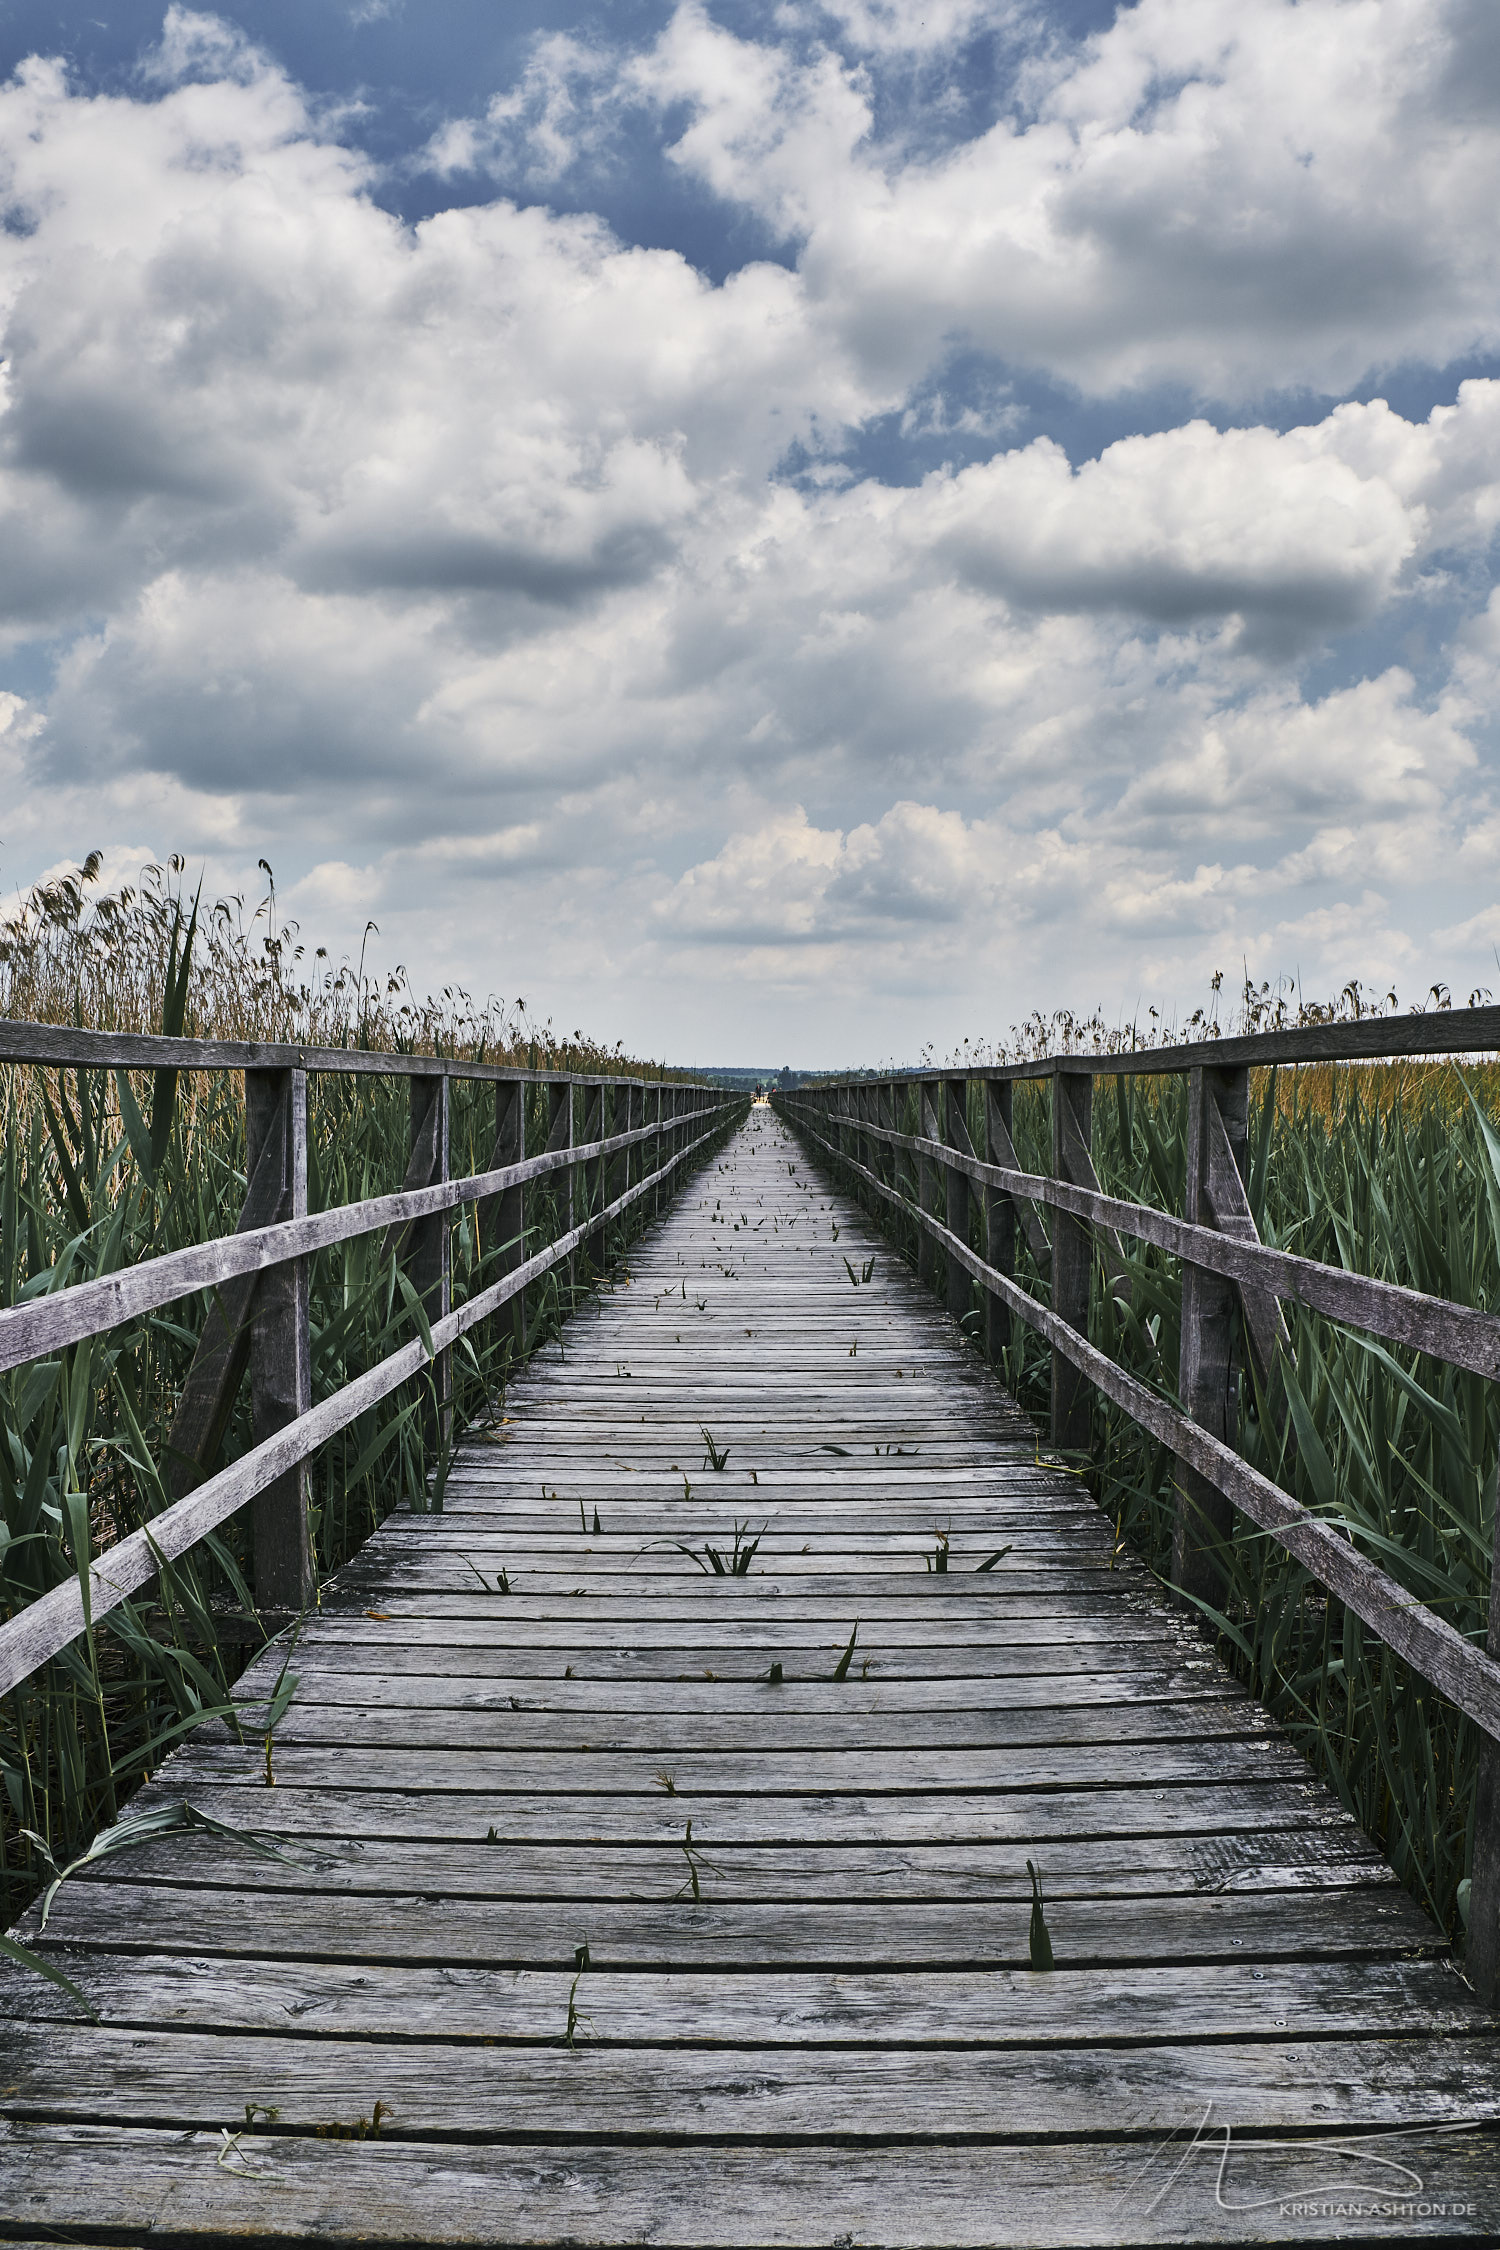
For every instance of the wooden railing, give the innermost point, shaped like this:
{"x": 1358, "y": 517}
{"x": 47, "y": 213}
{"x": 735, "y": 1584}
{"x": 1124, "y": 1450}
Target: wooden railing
{"x": 611, "y": 1145}
{"x": 1232, "y": 1283}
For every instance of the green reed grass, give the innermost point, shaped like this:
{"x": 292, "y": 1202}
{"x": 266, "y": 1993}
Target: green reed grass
{"x": 99, "y": 1170}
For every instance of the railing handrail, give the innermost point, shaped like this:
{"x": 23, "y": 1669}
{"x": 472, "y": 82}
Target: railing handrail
{"x": 1218, "y": 1258}
{"x": 47, "y": 1624}
{"x": 66, "y": 1046}
{"x": 80, "y": 1309}
{"x": 1437, "y": 1031}
{"x": 1462, "y": 1335}
{"x": 1466, "y": 1675}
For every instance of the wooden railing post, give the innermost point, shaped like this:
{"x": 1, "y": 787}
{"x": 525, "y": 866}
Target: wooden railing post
{"x": 956, "y": 1212}
{"x": 930, "y": 1128}
{"x": 560, "y": 1135}
{"x": 864, "y": 1146}
{"x": 425, "y": 1257}
{"x": 999, "y": 1213}
{"x": 1482, "y": 1957}
{"x": 280, "y": 1345}
{"x": 1072, "y": 1262}
{"x": 888, "y": 1159}
{"x": 617, "y": 1169}
{"x": 502, "y": 1217}
{"x": 869, "y": 1149}
{"x": 591, "y": 1175}
{"x": 212, "y": 1384}
{"x": 1208, "y": 1367}
{"x": 631, "y": 1169}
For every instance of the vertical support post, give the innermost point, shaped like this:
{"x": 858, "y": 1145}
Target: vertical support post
{"x": 999, "y": 1213}
{"x": 426, "y": 1257}
{"x": 280, "y": 1345}
{"x": 888, "y": 1159}
{"x": 615, "y": 1171}
{"x": 560, "y": 1135}
{"x": 1072, "y": 1262}
{"x": 1208, "y": 1368}
{"x": 502, "y": 1217}
{"x": 1482, "y": 1958}
{"x": 956, "y": 1214}
{"x": 634, "y": 1166}
{"x": 929, "y": 1128}
{"x": 590, "y": 1176}
{"x": 903, "y": 1171}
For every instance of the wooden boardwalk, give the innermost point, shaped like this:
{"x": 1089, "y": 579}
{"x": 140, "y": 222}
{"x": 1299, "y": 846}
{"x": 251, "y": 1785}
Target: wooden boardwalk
{"x": 806, "y": 2013}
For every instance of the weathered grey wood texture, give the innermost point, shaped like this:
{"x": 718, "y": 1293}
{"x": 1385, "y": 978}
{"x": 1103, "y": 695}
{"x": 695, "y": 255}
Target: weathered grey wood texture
{"x": 840, "y": 2038}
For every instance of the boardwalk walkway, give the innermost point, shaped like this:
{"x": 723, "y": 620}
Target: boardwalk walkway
{"x": 841, "y": 2037}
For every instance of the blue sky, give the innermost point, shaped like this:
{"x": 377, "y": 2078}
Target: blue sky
{"x": 769, "y": 529}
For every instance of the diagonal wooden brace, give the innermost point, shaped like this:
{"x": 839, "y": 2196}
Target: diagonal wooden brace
{"x": 1266, "y": 1331}
{"x": 223, "y": 1353}
{"x": 1003, "y": 1152}
{"x": 1078, "y": 1169}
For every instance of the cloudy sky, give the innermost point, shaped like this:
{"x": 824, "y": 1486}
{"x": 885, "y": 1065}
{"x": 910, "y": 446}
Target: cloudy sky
{"x": 776, "y": 530}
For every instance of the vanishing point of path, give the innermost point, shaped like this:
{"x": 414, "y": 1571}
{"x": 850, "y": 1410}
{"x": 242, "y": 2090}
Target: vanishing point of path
{"x": 806, "y": 2013}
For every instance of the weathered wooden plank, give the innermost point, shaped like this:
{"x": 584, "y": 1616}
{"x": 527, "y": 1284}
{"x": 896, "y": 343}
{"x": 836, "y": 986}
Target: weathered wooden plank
{"x": 1326, "y": 1857}
{"x": 785, "y": 1817}
{"x": 844, "y": 1525}
{"x": 482, "y": 1728}
{"x": 464, "y": 1581}
{"x": 582, "y": 1771}
{"x": 325, "y": 1685}
{"x": 687, "y": 2008}
{"x": 197, "y": 2081}
{"x": 883, "y": 1602}
{"x": 124, "y": 1916}
{"x": 1096, "y": 2194}
{"x": 1006, "y": 1641}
